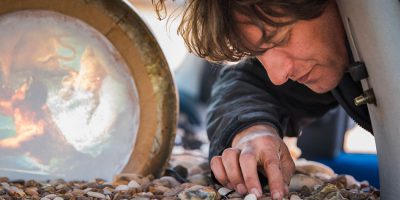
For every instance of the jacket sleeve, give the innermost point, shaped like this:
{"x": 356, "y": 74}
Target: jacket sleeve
{"x": 244, "y": 96}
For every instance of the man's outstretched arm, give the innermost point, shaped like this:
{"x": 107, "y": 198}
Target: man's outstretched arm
{"x": 247, "y": 117}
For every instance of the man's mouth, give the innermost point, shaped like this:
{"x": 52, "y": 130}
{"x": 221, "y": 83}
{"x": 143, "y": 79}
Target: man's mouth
{"x": 305, "y": 78}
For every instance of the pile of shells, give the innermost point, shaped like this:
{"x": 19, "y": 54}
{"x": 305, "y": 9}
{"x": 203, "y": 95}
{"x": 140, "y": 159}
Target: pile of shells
{"x": 189, "y": 181}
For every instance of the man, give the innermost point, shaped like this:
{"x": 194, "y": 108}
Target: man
{"x": 294, "y": 71}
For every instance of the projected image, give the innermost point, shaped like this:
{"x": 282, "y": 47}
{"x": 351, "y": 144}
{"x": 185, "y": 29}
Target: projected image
{"x": 68, "y": 104}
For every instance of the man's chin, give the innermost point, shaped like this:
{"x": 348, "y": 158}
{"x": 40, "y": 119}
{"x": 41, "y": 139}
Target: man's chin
{"x": 318, "y": 89}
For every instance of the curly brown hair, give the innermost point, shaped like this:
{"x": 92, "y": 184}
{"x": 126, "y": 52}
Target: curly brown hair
{"x": 210, "y": 28}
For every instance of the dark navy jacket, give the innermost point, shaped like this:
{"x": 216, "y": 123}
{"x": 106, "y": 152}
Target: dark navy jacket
{"x": 244, "y": 96}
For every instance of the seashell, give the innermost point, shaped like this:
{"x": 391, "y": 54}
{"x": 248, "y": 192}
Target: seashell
{"x": 312, "y": 167}
{"x": 300, "y": 180}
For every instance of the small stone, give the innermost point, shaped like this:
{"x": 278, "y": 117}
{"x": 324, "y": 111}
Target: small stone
{"x": 300, "y": 180}
{"x": 351, "y": 182}
{"x": 122, "y": 188}
{"x": 18, "y": 182}
{"x": 250, "y": 197}
{"x": 45, "y": 198}
{"x": 31, "y": 183}
{"x": 14, "y": 191}
{"x": 145, "y": 194}
{"x": 174, "y": 191}
{"x": 159, "y": 189}
{"x": 3, "y": 179}
{"x": 61, "y": 186}
{"x": 48, "y": 188}
{"x": 167, "y": 181}
{"x": 199, "y": 179}
{"x": 181, "y": 170}
{"x": 58, "y": 198}
{"x": 295, "y": 197}
{"x": 96, "y": 195}
{"x": 198, "y": 192}
{"x": 141, "y": 198}
{"x": 133, "y": 184}
{"x": 31, "y": 191}
{"x": 327, "y": 191}
{"x": 107, "y": 191}
{"x": 5, "y": 185}
{"x": 51, "y": 196}
{"x": 235, "y": 195}
{"x": 126, "y": 177}
{"x": 224, "y": 191}
{"x": 87, "y": 190}
{"x": 77, "y": 192}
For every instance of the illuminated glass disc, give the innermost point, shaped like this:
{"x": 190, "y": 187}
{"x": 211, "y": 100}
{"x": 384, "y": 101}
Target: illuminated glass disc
{"x": 68, "y": 103}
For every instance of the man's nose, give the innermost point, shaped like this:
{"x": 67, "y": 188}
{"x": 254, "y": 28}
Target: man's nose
{"x": 279, "y": 65}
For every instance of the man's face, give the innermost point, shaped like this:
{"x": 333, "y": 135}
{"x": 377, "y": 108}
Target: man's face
{"x": 313, "y": 52}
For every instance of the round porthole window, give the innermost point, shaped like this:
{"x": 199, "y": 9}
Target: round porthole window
{"x": 85, "y": 91}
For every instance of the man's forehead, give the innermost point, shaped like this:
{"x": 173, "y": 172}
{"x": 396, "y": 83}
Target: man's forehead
{"x": 255, "y": 35}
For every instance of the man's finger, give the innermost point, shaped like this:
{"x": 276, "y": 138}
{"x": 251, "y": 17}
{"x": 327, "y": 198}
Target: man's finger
{"x": 230, "y": 160}
{"x": 219, "y": 171}
{"x": 248, "y": 164}
{"x": 272, "y": 169}
{"x": 287, "y": 165}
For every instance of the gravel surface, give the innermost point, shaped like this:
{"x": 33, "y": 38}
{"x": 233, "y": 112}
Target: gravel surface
{"x": 189, "y": 180}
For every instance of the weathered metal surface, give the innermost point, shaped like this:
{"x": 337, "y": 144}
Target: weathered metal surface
{"x": 373, "y": 28}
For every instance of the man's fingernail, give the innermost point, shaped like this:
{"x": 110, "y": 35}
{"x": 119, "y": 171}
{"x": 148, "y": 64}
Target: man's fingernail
{"x": 255, "y": 192}
{"x": 276, "y": 196}
{"x": 241, "y": 189}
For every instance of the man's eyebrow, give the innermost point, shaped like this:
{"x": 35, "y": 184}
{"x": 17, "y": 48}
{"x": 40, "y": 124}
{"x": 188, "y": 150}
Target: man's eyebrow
{"x": 281, "y": 40}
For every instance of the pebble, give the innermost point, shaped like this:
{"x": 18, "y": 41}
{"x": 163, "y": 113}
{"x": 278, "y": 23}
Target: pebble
{"x": 96, "y": 195}
{"x": 299, "y": 180}
{"x": 51, "y": 196}
{"x": 295, "y": 197}
{"x": 122, "y": 188}
{"x": 199, "y": 179}
{"x": 198, "y": 192}
{"x": 3, "y": 179}
{"x": 224, "y": 191}
{"x": 168, "y": 181}
{"x": 311, "y": 185}
{"x": 250, "y": 197}
{"x": 133, "y": 184}
{"x": 31, "y": 191}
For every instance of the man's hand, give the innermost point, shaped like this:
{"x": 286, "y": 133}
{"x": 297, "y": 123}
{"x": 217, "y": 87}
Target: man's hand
{"x": 256, "y": 148}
